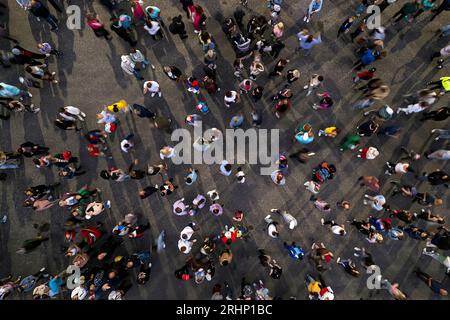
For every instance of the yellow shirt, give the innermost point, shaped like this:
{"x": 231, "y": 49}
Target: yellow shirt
{"x": 122, "y": 104}
{"x": 314, "y": 287}
{"x": 330, "y": 130}
{"x": 446, "y": 83}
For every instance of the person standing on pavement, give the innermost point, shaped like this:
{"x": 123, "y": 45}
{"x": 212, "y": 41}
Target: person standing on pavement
{"x": 138, "y": 57}
{"x": 279, "y": 67}
{"x": 314, "y": 8}
{"x": 39, "y": 10}
{"x": 153, "y": 88}
{"x": 97, "y": 26}
{"x": 129, "y": 67}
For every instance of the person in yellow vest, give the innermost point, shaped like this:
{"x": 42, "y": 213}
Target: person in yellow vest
{"x": 120, "y": 106}
{"x": 442, "y": 83}
{"x": 331, "y": 132}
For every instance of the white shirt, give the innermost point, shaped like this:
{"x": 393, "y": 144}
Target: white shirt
{"x": 412, "y": 108}
{"x": 337, "y": 229}
{"x": 185, "y": 243}
{"x": 232, "y": 98}
{"x": 127, "y": 64}
{"x": 241, "y": 174}
{"x": 180, "y": 204}
{"x": 399, "y": 168}
{"x": 272, "y": 228}
{"x": 153, "y": 29}
{"x": 289, "y": 219}
{"x": 154, "y": 86}
{"x": 125, "y": 142}
{"x": 137, "y": 56}
{"x": 72, "y": 110}
{"x": 188, "y": 232}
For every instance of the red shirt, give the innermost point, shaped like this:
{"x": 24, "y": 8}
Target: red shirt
{"x": 93, "y": 150}
{"x": 365, "y": 75}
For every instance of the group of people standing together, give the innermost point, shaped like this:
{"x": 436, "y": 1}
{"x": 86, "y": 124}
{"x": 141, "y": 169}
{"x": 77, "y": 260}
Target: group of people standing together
{"x": 107, "y": 272}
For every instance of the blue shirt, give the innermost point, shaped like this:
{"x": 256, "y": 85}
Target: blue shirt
{"x": 8, "y": 90}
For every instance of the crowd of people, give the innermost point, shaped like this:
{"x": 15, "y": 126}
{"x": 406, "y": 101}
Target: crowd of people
{"x": 258, "y": 41}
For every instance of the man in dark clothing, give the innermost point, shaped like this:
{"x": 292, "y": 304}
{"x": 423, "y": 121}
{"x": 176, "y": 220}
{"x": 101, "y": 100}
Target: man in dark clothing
{"x": 177, "y": 27}
{"x": 436, "y": 178}
{"x": 438, "y": 115}
{"x": 41, "y": 11}
{"x": 29, "y": 149}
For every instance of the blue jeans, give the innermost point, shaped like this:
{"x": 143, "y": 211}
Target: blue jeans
{"x": 362, "y": 104}
{"x": 137, "y": 74}
{"x": 145, "y": 63}
{"x": 52, "y": 21}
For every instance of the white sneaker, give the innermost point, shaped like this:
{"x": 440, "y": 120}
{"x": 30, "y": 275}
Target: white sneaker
{"x": 356, "y": 249}
{"x": 267, "y": 217}
{"x": 322, "y": 221}
{"x": 306, "y": 87}
{"x": 21, "y": 80}
{"x": 159, "y": 94}
{"x": 273, "y": 210}
{"x": 338, "y": 259}
{"x": 153, "y": 67}
{"x": 432, "y": 131}
{"x": 30, "y": 95}
{"x": 305, "y": 18}
{"x": 153, "y": 94}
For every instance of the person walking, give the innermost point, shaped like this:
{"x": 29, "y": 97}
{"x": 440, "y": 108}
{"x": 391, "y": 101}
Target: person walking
{"x": 138, "y": 57}
{"x": 129, "y": 67}
{"x": 153, "y": 88}
{"x": 279, "y": 67}
{"x": 307, "y": 41}
{"x": 97, "y": 26}
{"x": 314, "y": 8}
{"x": 39, "y": 10}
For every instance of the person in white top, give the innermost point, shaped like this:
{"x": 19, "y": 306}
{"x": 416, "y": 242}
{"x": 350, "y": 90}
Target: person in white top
{"x": 129, "y": 67}
{"x": 154, "y": 29}
{"x": 225, "y": 168}
{"x": 166, "y": 152}
{"x": 376, "y": 202}
{"x": 231, "y": 97}
{"x": 414, "y": 108}
{"x": 185, "y": 246}
{"x": 152, "y": 87}
{"x": 287, "y": 217}
{"x": 187, "y": 232}
{"x": 334, "y": 227}
{"x": 272, "y": 230}
{"x": 180, "y": 208}
{"x": 76, "y": 112}
{"x": 213, "y": 194}
{"x": 126, "y": 145}
{"x": 138, "y": 57}
{"x": 240, "y": 175}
